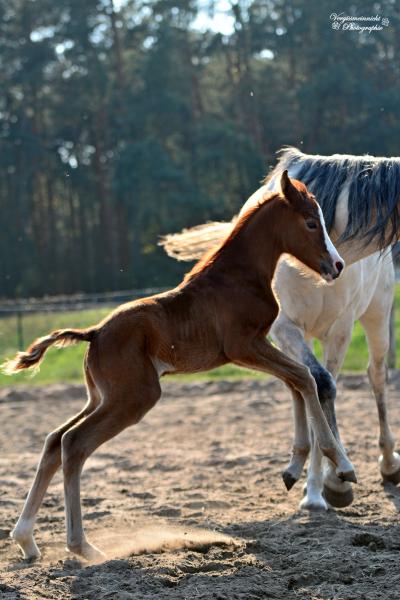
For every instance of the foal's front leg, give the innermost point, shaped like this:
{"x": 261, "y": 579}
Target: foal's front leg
{"x": 261, "y": 355}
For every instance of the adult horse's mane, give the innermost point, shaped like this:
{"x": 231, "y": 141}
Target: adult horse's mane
{"x": 373, "y": 185}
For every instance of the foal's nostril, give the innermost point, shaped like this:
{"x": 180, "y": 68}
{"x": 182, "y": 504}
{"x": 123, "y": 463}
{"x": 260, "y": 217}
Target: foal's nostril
{"x": 339, "y": 266}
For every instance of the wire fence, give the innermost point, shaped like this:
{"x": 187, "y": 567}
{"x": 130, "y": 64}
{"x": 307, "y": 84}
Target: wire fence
{"x": 17, "y": 327}
{"x": 23, "y": 308}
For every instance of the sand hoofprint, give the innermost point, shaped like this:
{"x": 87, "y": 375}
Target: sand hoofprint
{"x": 190, "y": 503}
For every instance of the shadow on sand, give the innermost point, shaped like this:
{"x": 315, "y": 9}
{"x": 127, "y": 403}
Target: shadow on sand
{"x": 319, "y": 556}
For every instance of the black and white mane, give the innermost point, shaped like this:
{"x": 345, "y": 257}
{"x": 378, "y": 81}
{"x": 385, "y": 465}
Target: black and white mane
{"x": 373, "y": 185}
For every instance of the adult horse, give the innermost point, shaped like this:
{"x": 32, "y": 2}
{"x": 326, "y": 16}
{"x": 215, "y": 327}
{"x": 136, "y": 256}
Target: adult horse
{"x": 193, "y": 327}
{"x": 359, "y": 197}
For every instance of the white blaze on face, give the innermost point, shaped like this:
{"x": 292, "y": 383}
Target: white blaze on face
{"x": 333, "y": 253}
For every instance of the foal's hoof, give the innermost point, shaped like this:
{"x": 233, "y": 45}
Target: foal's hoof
{"x": 27, "y": 544}
{"x": 391, "y": 477}
{"x": 288, "y": 480}
{"x": 338, "y": 499}
{"x": 88, "y": 552}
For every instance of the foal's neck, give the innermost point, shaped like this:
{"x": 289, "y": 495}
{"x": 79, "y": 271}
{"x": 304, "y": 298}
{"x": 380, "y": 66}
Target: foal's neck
{"x": 253, "y": 252}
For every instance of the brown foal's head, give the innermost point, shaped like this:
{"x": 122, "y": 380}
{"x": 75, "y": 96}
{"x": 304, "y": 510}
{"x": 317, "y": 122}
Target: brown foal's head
{"x": 305, "y": 233}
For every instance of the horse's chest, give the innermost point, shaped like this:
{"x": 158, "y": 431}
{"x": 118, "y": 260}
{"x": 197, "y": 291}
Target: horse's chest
{"x": 259, "y": 315}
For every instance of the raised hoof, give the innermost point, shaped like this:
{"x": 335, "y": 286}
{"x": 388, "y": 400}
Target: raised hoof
{"x": 288, "y": 480}
{"x": 338, "y": 499}
{"x": 391, "y": 477}
{"x": 347, "y": 476}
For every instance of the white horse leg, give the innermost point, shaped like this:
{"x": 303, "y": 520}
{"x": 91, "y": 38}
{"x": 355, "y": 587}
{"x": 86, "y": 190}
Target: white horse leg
{"x": 292, "y": 341}
{"x": 313, "y": 497}
{"x": 301, "y": 446}
{"x": 338, "y": 493}
{"x": 375, "y": 322}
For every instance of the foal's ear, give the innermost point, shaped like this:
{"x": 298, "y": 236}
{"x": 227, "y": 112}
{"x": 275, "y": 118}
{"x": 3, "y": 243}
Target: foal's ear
{"x": 289, "y": 191}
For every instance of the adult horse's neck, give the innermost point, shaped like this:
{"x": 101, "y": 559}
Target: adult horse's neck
{"x": 355, "y": 248}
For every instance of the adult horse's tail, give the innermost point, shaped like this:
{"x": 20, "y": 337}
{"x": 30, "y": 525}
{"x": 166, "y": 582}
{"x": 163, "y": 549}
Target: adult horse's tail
{"x": 192, "y": 243}
{"x": 34, "y": 354}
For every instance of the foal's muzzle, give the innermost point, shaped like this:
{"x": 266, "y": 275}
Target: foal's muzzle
{"x": 331, "y": 270}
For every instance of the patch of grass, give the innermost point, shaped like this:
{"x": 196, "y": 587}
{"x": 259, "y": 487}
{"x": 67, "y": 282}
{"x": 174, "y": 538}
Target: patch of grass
{"x": 66, "y": 364}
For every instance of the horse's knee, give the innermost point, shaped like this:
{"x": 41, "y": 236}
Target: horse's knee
{"x": 305, "y": 382}
{"x": 378, "y": 374}
{"x": 326, "y": 385}
{"x": 52, "y": 441}
{"x": 72, "y": 450}
{"x": 51, "y": 449}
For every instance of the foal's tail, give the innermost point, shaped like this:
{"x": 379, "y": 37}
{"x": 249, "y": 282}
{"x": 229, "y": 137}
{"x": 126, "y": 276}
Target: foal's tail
{"x": 32, "y": 357}
{"x": 191, "y": 244}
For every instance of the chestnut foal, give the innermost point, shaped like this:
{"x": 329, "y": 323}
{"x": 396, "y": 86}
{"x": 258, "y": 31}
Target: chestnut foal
{"x": 220, "y": 313}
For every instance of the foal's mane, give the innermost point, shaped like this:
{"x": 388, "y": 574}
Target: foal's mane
{"x": 212, "y": 255}
{"x": 373, "y": 185}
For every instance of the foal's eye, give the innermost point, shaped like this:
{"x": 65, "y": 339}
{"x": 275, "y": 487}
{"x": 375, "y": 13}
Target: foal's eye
{"x": 311, "y": 224}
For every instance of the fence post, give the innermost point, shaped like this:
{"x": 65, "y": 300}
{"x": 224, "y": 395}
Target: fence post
{"x": 20, "y": 330}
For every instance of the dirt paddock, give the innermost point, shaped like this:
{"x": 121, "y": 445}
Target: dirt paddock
{"x": 190, "y": 503}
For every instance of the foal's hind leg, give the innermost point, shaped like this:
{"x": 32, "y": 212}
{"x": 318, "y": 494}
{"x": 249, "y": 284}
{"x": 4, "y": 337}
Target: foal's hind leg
{"x": 50, "y": 461}
{"x": 124, "y": 404}
{"x": 376, "y": 326}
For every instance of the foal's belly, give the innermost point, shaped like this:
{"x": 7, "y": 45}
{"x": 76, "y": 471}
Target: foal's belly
{"x": 184, "y": 356}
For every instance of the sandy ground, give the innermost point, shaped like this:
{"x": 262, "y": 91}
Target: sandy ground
{"x": 190, "y": 503}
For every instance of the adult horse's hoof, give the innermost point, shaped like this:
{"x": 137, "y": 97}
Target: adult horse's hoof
{"x": 314, "y": 504}
{"x": 391, "y": 477}
{"x": 390, "y": 472}
{"x": 347, "y": 476}
{"x": 288, "y": 480}
{"x": 338, "y": 499}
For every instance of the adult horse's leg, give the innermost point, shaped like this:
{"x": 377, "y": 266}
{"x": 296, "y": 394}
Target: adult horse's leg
{"x": 261, "y": 355}
{"x": 301, "y": 445}
{"x": 49, "y": 463}
{"x": 290, "y": 338}
{"x": 323, "y": 485}
{"x": 313, "y": 498}
{"x": 375, "y": 322}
